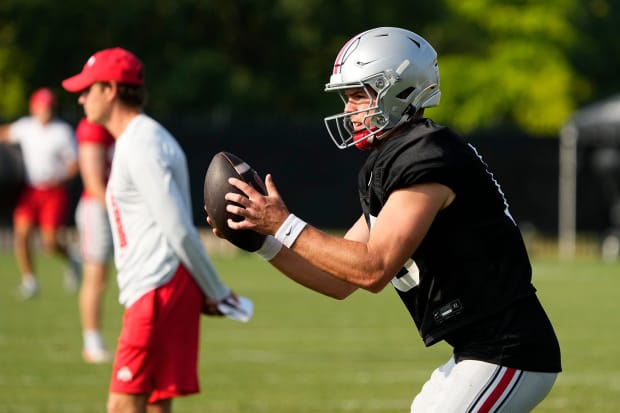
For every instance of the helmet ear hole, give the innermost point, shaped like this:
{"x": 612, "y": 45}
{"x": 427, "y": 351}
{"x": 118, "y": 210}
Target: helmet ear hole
{"x": 404, "y": 95}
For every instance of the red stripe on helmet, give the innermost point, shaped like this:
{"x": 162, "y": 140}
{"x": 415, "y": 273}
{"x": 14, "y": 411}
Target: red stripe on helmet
{"x": 341, "y": 54}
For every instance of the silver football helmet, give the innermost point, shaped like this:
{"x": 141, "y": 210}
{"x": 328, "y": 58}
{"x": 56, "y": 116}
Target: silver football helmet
{"x": 398, "y": 71}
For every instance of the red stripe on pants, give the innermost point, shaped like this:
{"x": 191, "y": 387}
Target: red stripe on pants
{"x": 497, "y": 392}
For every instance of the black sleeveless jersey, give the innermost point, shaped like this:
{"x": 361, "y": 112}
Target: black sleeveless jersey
{"x": 469, "y": 281}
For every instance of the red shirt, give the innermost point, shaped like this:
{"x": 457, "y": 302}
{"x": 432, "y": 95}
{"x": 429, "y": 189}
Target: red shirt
{"x": 87, "y": 131}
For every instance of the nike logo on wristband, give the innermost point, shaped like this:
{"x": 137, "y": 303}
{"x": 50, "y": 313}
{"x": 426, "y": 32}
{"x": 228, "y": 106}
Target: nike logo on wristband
{"x": 290, "y": 230}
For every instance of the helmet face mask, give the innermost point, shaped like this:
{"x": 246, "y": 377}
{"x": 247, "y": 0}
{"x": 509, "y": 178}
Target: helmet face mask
{"x": 396, "y": 68}
{"x": 340, "y": 126}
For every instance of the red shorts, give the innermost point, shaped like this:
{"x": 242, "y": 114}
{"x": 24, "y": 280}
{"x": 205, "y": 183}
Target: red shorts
{"x": 47, "y": 207}
{"x": 157, "y": 350}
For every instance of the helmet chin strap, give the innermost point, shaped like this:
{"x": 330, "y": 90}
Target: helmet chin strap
{"x": 364, "y": 142}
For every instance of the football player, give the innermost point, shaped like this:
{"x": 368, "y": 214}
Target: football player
{"x": 165, "y": 276}
{"x": 50, "y": 159}
{"x": 435, "y": 225}
{"x": 95, "y": 150}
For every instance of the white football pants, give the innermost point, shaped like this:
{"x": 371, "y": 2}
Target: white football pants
{"x": 480, "y": 387}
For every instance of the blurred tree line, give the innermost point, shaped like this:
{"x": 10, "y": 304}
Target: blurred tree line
{"x": 522, "y": 63}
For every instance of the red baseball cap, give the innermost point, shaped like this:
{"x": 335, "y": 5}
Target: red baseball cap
{"x": 115, "y": 64}
{"x": 42, "y": 97}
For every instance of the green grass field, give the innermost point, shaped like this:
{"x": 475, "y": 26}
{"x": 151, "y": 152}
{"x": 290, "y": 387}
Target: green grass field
{"x": 301, "y": 352}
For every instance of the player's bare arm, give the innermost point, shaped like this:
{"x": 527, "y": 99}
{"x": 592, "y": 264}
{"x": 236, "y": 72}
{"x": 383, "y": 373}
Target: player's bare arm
{"x": 71, "y": 170}
{"x": 370, "y": 264}
{"x": 301, "y": 271}
{"x": 92, "y": 163}
{"x": 4, "y": 133}
{"x": 359, "y": 231}
{"x": 304, "y": 272}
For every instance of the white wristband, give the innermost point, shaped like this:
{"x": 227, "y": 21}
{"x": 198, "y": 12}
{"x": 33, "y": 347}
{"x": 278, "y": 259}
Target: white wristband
{"x": 290, "y": 230}
{"x": 269, "y": 249}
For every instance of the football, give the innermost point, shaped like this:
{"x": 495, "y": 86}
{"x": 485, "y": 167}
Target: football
{"x": 225, "y": 165}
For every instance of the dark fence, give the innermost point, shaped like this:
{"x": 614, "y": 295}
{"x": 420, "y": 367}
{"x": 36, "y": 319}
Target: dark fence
{"x": 318, "y": 181}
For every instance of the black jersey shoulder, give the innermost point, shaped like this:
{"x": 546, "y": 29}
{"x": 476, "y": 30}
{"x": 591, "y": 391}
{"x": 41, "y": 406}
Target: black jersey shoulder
{"x": 428, "y": 152}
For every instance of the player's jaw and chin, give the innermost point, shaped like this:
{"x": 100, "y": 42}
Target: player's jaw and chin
{"x": 362, "y": 132}
{"x": 361, "y": 111}
{"x": 94, "y": 105}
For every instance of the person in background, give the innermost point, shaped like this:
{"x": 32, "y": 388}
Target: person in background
{"x": 50, "y": 160}
{"x": 434, "y": 224}
{"x": 164, "y": 274}
{"x": 95, "y": 150}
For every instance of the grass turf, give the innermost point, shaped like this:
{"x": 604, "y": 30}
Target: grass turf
{"x": 301, "y": 352}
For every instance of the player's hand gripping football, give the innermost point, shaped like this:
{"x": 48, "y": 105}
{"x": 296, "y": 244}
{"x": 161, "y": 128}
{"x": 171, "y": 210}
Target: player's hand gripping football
{"x": 262, "y": 213}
